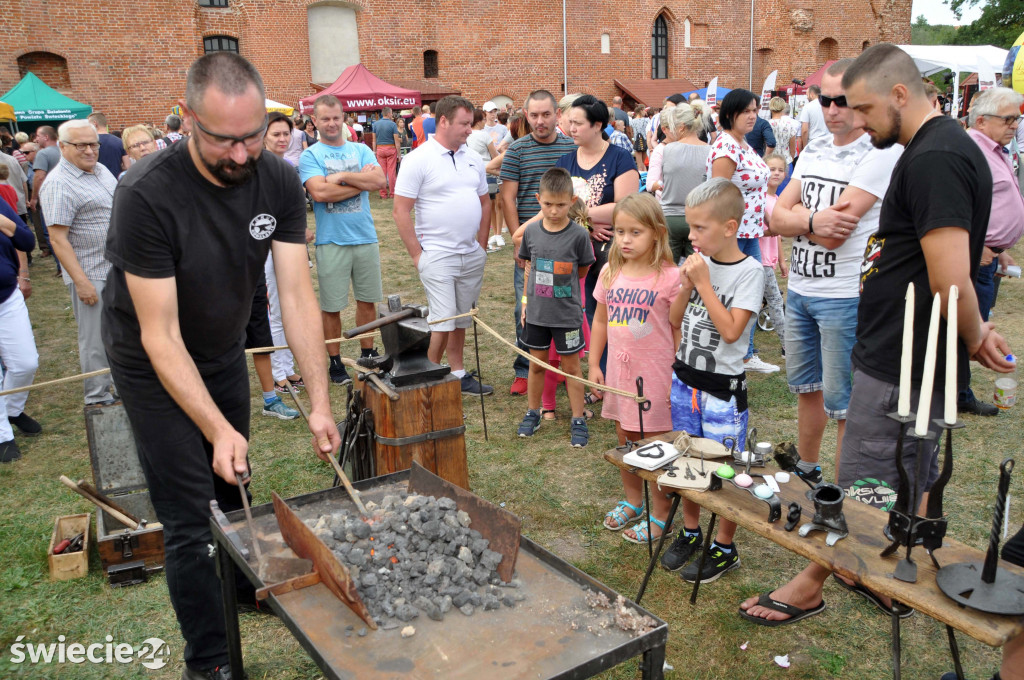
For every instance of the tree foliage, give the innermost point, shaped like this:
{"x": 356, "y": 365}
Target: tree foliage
{"x": 922, "y": 33}
{"x": 1000, "y": 23}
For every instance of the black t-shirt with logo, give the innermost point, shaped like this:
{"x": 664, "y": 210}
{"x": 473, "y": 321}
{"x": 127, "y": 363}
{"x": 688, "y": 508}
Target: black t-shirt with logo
{"x": 941, "y": 180}
{"x": 169, "y": 221}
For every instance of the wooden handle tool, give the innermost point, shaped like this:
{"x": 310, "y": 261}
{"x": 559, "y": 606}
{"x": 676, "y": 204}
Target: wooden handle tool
{"x": 337, "y": 468}
{"x": 374, "y": 378}
{"x": 120, "y": 517}
{"x": 92, "y": 491}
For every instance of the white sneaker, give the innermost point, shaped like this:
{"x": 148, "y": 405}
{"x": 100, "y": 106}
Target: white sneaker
{"x": 757, "y": 366}
{"x": 491, "y": 241}
{"x": 499, "y": 241}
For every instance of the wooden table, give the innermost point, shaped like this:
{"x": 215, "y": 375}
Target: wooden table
{"x": 855, "y": 557}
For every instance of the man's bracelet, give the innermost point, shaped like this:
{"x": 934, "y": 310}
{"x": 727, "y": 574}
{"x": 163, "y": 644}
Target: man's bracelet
{"x": 810, "y": 222}
{"x": 24, "y": 278}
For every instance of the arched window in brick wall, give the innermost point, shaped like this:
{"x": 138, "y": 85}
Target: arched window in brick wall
{"x": 828, "y": 50}
{"x": 51, "y": 68}
{"x": 864, "y": 45}
{"x": 213, "y": 3}
{"x": 220, "y": 43}
{"x": 430, "y": 64}
{"x": 659, "y": 48}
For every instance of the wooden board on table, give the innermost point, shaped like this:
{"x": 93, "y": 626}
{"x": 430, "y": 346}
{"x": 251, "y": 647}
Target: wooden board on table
{"x": 857, "y": 555}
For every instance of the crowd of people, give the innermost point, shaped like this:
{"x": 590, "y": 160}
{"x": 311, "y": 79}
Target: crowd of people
{"x": 646, "y": 245}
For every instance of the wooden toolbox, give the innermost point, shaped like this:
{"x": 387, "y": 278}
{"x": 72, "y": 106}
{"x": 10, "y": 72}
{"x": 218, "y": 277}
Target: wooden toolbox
{"x": 70, "y": 565}
{"x": 117, "y": 473}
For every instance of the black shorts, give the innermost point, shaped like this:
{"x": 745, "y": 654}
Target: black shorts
{"x": 567, "y": 340}
{"x": 257, "y": 331}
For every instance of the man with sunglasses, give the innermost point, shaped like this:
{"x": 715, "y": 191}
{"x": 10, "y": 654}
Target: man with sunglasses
{"x": 830, "y": 208}
{"x": 191, "y": 229}
{"x": 76, "y": 199}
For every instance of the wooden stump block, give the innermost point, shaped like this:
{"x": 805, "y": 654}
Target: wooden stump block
{"x": 423, "y": 412}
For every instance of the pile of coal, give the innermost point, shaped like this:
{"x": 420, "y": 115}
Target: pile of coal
{"x": 417, "y": 555}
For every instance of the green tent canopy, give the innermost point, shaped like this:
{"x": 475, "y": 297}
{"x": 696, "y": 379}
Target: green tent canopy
{"x": 34, "y": 102}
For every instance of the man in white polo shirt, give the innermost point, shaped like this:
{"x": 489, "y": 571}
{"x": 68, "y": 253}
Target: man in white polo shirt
{"x": 447, "y": 185}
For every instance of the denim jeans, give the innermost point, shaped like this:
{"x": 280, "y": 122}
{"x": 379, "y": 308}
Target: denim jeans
{"x": 751, "y": 247}
{"x": 820, "y": 334}
{"x": 985, "y": 289}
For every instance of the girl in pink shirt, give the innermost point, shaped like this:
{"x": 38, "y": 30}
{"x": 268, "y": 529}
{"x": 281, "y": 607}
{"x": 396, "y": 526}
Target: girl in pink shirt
{"x": 771, "y": 246}
{"x": 634, "y": 292}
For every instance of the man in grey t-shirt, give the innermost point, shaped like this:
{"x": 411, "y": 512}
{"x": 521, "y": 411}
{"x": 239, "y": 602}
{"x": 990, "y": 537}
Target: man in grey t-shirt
{"x": 46, "y": 160}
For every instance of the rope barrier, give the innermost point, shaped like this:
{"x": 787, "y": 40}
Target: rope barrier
{"x": 104, "y": 371}
{"x": 475, "y": 313}
{"x": 526, "y": 355}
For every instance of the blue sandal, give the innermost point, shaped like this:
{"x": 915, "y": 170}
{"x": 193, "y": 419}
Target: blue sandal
{"x": 619, "y": 516}
{"x": 642, "y": 532}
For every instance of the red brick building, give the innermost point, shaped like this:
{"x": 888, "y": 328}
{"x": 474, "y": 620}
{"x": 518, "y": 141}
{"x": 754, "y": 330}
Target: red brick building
{"x": 129, "y": 59}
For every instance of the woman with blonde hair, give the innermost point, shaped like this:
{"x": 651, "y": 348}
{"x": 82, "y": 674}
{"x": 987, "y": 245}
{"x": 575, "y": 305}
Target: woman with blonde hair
{"x": 138, "y": 142}
{"x": 786, "y": 131}
{"x": 702, "y": 111}
{"x": 683, "y": 168}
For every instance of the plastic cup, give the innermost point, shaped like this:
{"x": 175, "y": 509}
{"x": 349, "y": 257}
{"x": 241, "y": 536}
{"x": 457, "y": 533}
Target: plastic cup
{"x": 1006, "y": 393}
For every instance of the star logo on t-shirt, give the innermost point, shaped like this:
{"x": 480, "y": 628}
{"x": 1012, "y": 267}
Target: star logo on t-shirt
{"x": 262, "y": 226}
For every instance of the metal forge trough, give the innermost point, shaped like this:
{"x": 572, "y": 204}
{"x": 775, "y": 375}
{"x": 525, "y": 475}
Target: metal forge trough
{"x": 555, "y": 632}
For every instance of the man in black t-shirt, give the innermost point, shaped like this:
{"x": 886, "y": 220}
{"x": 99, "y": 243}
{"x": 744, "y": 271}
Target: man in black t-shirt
{"x": 190, "y": 231}
{"x": 931, "y": 232}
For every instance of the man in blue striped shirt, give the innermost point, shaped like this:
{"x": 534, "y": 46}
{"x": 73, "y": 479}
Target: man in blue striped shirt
{"x": 525, "y": 161}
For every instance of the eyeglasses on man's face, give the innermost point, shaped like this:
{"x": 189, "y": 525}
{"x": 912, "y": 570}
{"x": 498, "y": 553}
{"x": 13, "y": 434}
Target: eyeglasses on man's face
{"x": 250, "y": 140}
{"x": 81, "y": 147}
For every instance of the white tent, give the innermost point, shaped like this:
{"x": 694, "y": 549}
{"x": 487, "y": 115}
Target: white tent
{"x": 271, "y": 106}
{"x": 973, "y": 58}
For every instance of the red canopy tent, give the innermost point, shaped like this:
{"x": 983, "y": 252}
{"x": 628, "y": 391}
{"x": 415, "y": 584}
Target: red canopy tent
{"x": 360, "y": 90}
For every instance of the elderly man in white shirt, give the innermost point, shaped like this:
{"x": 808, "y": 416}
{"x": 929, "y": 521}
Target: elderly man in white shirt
{"x": 76, "y": 200}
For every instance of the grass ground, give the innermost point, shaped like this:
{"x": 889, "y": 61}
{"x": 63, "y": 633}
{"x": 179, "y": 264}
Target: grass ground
{"x": 561, "y": 495}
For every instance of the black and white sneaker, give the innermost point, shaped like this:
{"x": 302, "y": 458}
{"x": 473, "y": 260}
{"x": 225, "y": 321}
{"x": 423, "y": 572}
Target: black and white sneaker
{"x": 813, "y": 477}
{"x": 681, "y": 550}
{"x": 339, "y": 375}
{"x": 716, "y": 563}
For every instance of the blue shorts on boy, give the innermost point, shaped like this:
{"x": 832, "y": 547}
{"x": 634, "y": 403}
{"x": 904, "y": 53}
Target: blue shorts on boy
{"x": 703, "y": 415}
{"x": 712, "y": 401}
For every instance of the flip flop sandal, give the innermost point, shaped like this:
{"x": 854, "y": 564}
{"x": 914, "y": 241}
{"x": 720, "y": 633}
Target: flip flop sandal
{"x": 641, "y": 532}
{"x": 544, "y": 413}
{"x": 588, "y": 414}
{"x": 904, "y": 610}
{"x": 590, "y": 399}
{"x": 795, "y": 613}
{"x": 618, "y": 514}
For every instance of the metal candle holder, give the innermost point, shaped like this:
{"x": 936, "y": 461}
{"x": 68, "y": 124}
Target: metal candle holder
{"x": 986, "y": 586}
{"x": 903, "y": 518}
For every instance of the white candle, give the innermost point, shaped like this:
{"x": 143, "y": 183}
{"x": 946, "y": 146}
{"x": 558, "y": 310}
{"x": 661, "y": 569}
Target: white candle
{"x": 924, "y": 407}
{"x": 903, "y": 407}
{"x": 949, "y": 408}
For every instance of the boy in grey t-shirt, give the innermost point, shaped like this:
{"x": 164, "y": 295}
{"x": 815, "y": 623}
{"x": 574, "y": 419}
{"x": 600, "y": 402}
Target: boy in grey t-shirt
{"x": 558, "y": 254}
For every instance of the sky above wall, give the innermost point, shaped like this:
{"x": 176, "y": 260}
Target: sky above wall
{"x": 938, "y": 12}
